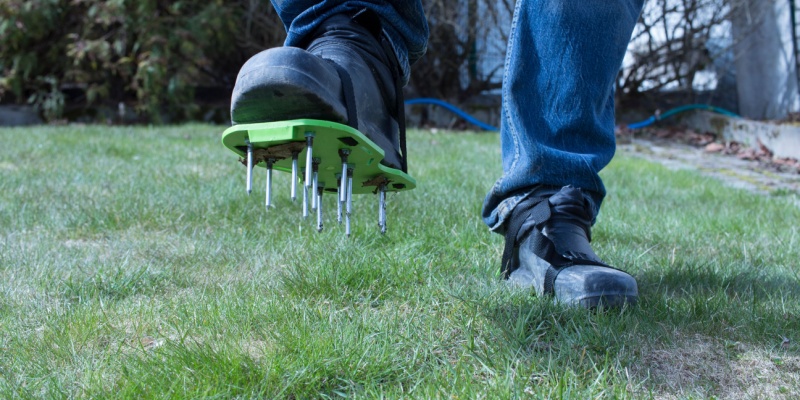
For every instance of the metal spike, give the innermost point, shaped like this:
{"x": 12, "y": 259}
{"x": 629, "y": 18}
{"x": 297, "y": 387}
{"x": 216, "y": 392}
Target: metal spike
{"x": 294, "y": 176}
{"x": 343, "y": 184}
{"x": 339, "y": 212}
{"x": 309, "y": 157}
{"x": 315, "y": 181}
{"x": 249, "y": 167}
{"x": 320, "y": 189}
{"x": 305, "y": 201}
{"x": 339, "y": 181}
{"x": 382, "y": 208}
{"x": 270, "y": 162}
{"x": 314, "y": 187}
{"x": 343, "y": 153}
{"x": 349, "y": 201}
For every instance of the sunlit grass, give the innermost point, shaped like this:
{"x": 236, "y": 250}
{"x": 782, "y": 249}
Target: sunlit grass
{"x": 132, "y": 264}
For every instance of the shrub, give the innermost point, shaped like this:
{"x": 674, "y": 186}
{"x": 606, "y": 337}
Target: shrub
{"x": 152, "y": 52}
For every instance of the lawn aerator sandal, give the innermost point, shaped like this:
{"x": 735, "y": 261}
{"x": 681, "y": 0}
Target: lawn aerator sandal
{"x": 335, "y": 158}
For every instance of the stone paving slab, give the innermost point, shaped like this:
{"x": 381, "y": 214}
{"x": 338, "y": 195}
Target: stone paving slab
{"x": 737, "y": 173}
{"x": 783, "y": 139}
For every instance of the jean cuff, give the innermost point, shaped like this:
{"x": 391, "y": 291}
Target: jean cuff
{"x": 497, "y": 218}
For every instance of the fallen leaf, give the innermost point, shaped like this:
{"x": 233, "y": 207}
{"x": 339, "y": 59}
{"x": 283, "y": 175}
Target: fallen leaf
{"x": 714, "y": 147}
{"x": 763, "y": 149}
{"x": 747, "y": 154}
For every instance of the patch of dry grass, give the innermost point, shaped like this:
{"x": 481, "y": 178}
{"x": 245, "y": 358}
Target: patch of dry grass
{"x": 703, "y": 366}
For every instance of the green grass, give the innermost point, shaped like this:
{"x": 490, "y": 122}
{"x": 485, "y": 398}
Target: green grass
{"x": 132, "y": 264}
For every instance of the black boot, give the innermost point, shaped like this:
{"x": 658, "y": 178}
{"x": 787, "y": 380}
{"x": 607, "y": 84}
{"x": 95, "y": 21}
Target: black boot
{"x": 347, "y": 73}
{"x": 547, "y": 248}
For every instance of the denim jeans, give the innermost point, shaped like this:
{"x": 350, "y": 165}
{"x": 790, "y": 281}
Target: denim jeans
{"x": 404, "y": 23}
{"x": 557, "y": 117}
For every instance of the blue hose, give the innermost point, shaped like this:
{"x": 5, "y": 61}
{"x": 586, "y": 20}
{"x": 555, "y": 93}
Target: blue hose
{"x": 455, "y": 110}
{"x": 642, "y": 124}
{"x": 636, "y": 125}
{"x": 678, "y": 110}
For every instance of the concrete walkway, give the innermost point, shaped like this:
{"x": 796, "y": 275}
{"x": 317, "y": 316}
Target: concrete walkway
{"x": 743, "y": 174}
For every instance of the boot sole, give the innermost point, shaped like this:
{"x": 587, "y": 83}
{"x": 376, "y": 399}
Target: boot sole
{"x": 608, "y": 301}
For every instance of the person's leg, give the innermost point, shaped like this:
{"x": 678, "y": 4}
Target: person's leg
{"x": 557, "y": 133}
{"x": 404, "y": 23}
{"x": 557, "y": 125}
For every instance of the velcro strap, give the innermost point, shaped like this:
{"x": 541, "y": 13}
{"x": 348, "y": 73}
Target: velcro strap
{"x": 535, "y": 208}
{"x": 550, "y": 279}
{"x": 349, "y": 95}
{"x": 400, "y": 115}
{"x": 536, "y": 211}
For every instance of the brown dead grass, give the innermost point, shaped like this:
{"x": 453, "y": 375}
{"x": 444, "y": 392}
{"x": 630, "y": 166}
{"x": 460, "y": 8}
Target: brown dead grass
{"x": 701, "y": 366}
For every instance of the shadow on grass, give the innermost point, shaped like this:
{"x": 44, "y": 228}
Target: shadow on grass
{"x": 695, "y": 331}
{"x": 702, "y": 280}
{"x": 525, "y": 325}
{"x": 742, "y": 306}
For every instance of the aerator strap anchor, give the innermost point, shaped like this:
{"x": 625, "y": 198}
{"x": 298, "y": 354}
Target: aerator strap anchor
{"x": 338, "y": 151}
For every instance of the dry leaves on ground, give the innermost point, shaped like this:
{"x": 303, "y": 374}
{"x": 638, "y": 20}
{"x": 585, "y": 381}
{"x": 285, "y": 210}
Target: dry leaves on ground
{"x": 710, "y": 143}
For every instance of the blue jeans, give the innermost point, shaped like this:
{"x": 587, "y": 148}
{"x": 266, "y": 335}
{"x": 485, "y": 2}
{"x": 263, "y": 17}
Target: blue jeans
{"x": 557, "y": 115}
{"x": 404, "y": 23}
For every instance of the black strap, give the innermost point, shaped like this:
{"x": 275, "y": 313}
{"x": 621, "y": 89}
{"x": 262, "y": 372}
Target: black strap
{"x": 535, "y": 207}
{"x": 352, "y": 110}
{"x": 401, "y": 121}
{"x": 349, "y": 95}
{"x": 399, "y": 112}
{"x": 371, "y": 21}
{"x": 527, "y": 219}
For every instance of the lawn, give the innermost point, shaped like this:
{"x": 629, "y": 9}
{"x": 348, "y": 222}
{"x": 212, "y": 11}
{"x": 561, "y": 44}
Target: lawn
{"x": 134, "y": 265}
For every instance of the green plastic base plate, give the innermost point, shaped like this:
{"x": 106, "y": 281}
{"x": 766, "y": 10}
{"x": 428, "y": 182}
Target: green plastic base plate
{"x": 280, "y": 140}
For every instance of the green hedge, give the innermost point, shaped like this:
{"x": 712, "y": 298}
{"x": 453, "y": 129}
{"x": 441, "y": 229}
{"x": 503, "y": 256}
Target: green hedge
{"x": 79, "y": 59}
{"x": 151, "y": 54}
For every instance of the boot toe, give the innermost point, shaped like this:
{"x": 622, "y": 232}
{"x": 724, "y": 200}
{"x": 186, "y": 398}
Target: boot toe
{"x": 287, "y": 83}
{"x": 591, "y": 286}
{"x": 547, "y": 249}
